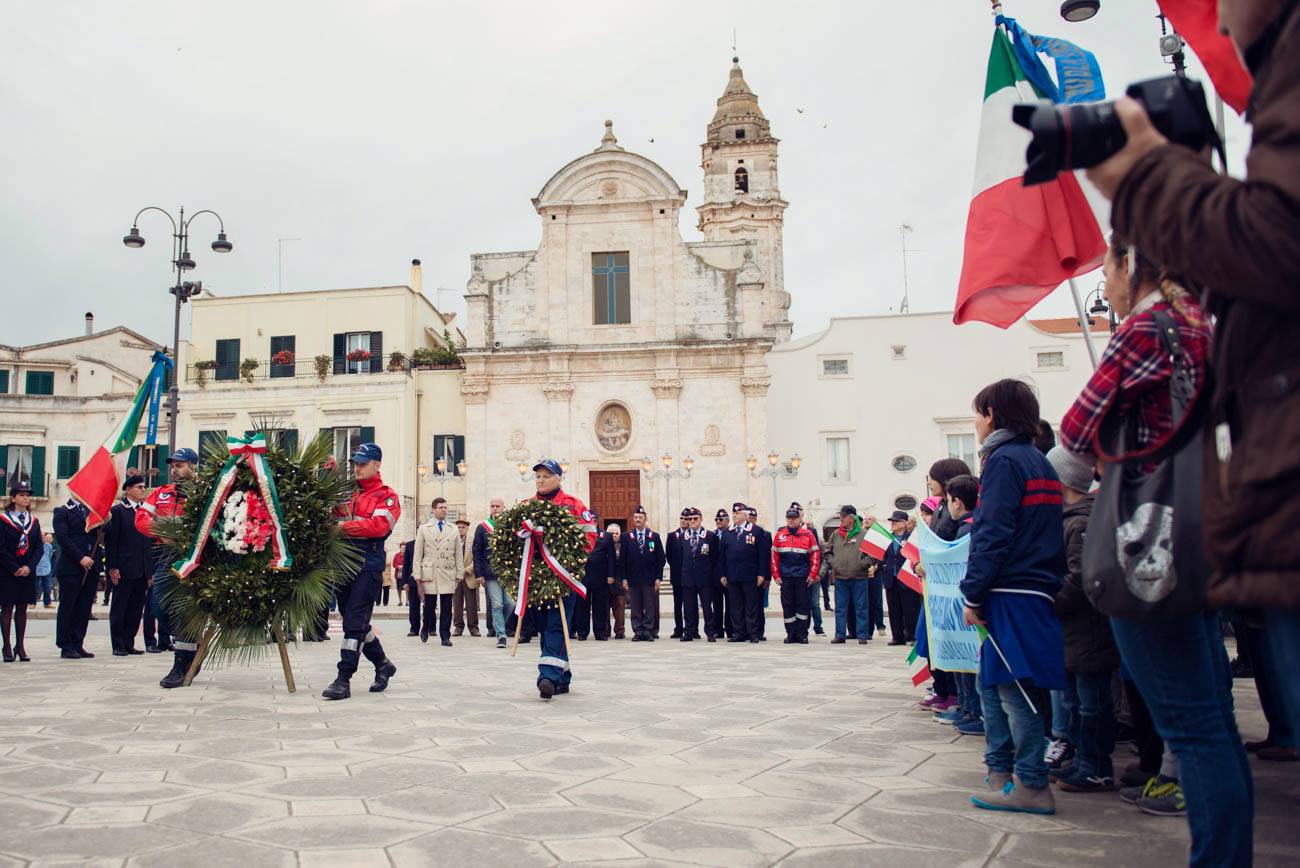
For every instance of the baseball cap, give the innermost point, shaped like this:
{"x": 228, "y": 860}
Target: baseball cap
{"x": 549, "y": 464}
{"x": 792, "y": 513}
{"x": 848, "y": 509}
{"x": 186, "y": 454}
{"x": 366, "y": 453}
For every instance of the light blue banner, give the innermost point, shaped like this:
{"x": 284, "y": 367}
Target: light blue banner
{"x": 1078, "y": 75}
{"x": 157, "y": 379}
{"x": 954, "y": 647}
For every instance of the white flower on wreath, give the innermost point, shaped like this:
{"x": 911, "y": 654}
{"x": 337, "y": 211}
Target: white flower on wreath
{"x": 234, "y": 515}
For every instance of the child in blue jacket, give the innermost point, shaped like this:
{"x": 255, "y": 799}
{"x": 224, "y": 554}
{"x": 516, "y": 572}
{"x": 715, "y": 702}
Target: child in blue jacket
{"x": 1017, "y": 558}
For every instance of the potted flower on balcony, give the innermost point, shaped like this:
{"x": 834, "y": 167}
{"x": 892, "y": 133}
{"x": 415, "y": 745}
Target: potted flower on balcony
{"x": 397, "y": 361}
{"x": 359, "y": 356}
{"x": 247, "y": 368}
{"x": 201, "y": 369}
{"x": 323, "y": 364}
{"x": 284, "y": 359}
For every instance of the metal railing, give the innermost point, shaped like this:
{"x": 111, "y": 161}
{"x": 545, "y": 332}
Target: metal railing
{"x": 303, "y": 369}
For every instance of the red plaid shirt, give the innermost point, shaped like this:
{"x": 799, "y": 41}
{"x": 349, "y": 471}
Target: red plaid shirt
{"x": 1134, "y": 374}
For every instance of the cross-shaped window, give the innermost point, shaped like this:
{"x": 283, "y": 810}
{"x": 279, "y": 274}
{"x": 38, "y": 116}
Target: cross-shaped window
{"x": 611, "y": 288}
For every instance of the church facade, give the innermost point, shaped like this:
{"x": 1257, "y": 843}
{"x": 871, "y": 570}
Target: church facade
{"x": 615, "y": 340}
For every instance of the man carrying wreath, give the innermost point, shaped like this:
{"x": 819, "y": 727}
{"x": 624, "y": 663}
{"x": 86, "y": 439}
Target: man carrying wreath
{"x": 553, "y": 673}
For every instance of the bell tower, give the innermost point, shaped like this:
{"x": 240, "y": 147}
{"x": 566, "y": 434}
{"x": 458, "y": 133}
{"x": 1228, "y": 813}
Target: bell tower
{"x": 742, "y": 199}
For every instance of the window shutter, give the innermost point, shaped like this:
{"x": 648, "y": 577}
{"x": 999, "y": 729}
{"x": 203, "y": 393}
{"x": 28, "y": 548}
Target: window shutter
{"x": 68, "y": 461}
{"x": 163, "y": 476}
{"x": 133, "y": 459}
{"x": 4, "y": 468}
{"x": 458, "y": 445}
{"x": 340, "y": 353}
{"x": 376, "y": 352}
{"x": 367, "y": 434}
{"x": 4, "y": 382}
{"x": 289, "y": 441}
{"x": 38, "y": 471}
{"x": 439, "y": 448}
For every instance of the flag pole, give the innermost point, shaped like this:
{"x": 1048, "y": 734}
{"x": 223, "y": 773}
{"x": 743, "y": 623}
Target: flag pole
{"x": 1084, "y": 323}
{"x": 1003, "y": 657}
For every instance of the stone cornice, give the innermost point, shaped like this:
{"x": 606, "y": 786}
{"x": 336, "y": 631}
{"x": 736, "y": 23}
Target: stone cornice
{"x": 557, "y": 391}
{"x": 666, "y": 388}
{"x": 754, "y": 387}
{"x": 474, "y": 393}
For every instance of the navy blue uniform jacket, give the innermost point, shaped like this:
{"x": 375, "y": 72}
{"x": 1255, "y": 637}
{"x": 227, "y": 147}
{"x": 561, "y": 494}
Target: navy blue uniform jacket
{"x": 746, "y": 555}
{"x": 643, "y": 567}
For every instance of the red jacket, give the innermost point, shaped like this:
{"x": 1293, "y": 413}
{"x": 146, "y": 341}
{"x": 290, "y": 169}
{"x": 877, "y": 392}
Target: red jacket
{"x": 162, "y": 501}
{"x": 369, "y": 518}
{"x": 795, "y": 554}
{"x": 578, "y": 510}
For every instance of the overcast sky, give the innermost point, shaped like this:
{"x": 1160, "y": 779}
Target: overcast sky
{"x": 381, "y": 131}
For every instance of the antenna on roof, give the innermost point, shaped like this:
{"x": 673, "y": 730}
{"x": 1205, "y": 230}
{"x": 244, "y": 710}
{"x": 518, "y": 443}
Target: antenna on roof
{"x": 905, "y": 307}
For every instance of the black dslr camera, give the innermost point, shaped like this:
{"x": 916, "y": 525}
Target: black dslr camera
{"x": 1070, "y": 137}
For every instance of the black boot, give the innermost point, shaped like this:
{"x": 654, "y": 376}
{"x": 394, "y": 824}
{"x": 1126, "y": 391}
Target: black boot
{"x": 546, "y": 689}
{"x": 384, "y": 670}
{"x": 180, "y": 664}
{"x": 340, "y": 689}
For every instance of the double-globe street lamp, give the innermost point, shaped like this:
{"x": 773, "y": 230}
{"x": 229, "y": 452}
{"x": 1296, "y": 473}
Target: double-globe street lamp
{"x": 775, "y": 470}
{"x": 441, "y": 476}
{"x": 668, "y": 474}
{"x": 183, "y": 290}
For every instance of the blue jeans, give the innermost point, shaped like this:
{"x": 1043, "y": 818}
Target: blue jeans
{"x": 968, "y": 693}
{"x": 1092, "y": 722}
{"x": 45, "y": 584}
{"x": 1013, "y": 735}
{"x": 815, "y": 605}
{"x": 1282, "y": 633}
{"x": 876, "y": 596}
{"x": 554, "y": 662}
{"x": 1063, "y": 706}
{"x": 1181, "y": 668}
{"x": 498, "y": 602}
{"x": 855, "y": 590}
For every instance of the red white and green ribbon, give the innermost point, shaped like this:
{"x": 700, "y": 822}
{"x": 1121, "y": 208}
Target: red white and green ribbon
{"x": 243, "y": 450}
{"x": 533, "y": 536}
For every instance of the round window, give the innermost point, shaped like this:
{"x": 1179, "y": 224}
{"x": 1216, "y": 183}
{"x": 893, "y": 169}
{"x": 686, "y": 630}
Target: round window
{"x": 904, "y": 463}
{"x": 906, "y": 503}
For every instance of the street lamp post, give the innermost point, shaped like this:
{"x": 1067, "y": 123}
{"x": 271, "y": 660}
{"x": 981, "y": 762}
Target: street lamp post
{"x": 775, "y": 470}
{"x": 668, "y": 474}
{"x": 1099, "y": 305}
{"x": 441, "y": 475}
{"x": 183, "y": 290}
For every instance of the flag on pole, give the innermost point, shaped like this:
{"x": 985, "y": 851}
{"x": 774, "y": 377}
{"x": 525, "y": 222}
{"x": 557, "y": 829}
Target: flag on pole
{"x": 909, "y": 578}
{"x": 1197, "y": 21}
{"x": 1021, "y": 242}
{"x": 911, "y": 553}
{"x": 919, "y": 668}
{"x": 99, "y": 481}
{"x": 876, "y": 540}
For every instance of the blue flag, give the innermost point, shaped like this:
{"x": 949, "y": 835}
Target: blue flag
{"x": 1078, "y": 75}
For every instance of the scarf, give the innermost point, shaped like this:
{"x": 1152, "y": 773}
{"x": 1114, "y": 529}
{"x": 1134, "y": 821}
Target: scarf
{"x": 857, "y": 528}
{"x": 993, "y": 441}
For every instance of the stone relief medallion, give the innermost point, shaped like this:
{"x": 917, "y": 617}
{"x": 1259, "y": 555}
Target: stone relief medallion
{"x": 613, "y": 427}
{"x": 517, "y": 450}
{"x": 712, "y": 445}
{"x": 609, "y": 189}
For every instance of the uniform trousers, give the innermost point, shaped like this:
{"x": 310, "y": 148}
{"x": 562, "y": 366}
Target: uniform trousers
{"x": 580, "y": 626}
{"x": 644, "y": 600}
{"x": 465, "y": 607}
{"x": 745, "y": 602}
{"x": 413, "y": 608}
{"x": 357, "y": 601}
{"x": 700, "y": 606}
{"x": 904, "y": 608}
{"x": 679, "y": 600}
{"x": 431, "y": 603}
{"x": 126, "y": 610}
{"x": 76, "y": 597}
{"x": 795, "y": 607}
{"x": 553, "y": 664}
{"x": 597, "y": 611}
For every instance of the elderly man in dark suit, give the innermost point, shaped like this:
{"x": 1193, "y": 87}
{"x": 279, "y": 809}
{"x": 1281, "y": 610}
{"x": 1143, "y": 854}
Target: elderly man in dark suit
{"x": 129, "y": 558}
{"x": 643, "y": 570}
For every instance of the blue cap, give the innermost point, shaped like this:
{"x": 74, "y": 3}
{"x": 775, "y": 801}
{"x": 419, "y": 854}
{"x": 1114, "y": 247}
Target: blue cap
{"x": 20, "y": 487}
{"x": 367, "y": 452}
{"x": 186, "y": 454}
{"x": 549, "y": 464}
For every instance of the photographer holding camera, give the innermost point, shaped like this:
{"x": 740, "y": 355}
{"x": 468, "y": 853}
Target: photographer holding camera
{"x": 1240, "y": 240}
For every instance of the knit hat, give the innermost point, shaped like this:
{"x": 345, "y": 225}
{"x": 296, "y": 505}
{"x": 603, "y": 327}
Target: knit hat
{"x": 1073, "y": 471}
{"x": 930, "y": 505}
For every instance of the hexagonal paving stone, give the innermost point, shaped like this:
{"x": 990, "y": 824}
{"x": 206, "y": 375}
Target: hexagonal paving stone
{"x": 566, "y": 822}
{"x": 315, "y": 833}
{"x": 223, "y": 774}
{"x": 466, "y": 849}
{"x": 861, "y": 855}
{"x": 219, "y": 813}
{"x": 432, "y": 805}
{"x": 118, "y": 840}
{"x": 101, "y": 793}
{"x": 707, "y": 844}
{"x": 223, "y": 854}
{"x": 646, "y": 800}
{"x": 507, "y": 782}
{"x": 798, "y": 786}
{"x": 937, "y": 830}
{"x": 763, "y": 811}
{"x": 34, "y": 779}
{"x": 27, "y": 814}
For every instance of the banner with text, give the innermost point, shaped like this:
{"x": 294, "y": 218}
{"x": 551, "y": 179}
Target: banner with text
{"x": 954, "y": 647}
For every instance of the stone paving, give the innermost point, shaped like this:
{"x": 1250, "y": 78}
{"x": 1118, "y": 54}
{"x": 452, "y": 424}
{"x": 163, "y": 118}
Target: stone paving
{"x": 663, "y": 754}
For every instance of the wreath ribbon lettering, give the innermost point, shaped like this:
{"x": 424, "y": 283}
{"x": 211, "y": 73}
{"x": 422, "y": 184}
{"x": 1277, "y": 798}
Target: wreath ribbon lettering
{"x": 243, "y": 450}
{"x": 534, "y": 537}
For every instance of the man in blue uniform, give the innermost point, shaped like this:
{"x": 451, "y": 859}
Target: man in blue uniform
{"x": 721, "y": 522}
{"x": 745, "y": 568}
{"x": 129, "y": 558}
{"x": 767, "y": 586}
{"x": 673, "y": 553}
{"x": 368, "y": 520}
{"x": 698, "y": 565}
{"x": 643, "y": 556}
{"x": 81, "y": 559}
{"x": 598, "y": 576}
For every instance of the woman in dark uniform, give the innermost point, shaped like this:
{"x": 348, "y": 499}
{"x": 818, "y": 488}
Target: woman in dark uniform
{"x": 20, "y": 553}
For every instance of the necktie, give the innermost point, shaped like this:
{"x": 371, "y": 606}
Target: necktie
{"x": 695, "y": 541}
{"x": 440, "y": 527}
{"x": 640, "y": 539}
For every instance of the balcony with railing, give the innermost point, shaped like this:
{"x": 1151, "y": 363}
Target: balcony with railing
{"x": 320, "y": 368}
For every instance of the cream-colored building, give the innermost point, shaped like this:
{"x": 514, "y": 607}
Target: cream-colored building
{"x": 351, "y": 375}
{"x": 871, "y": 402}
{"x": 615, "y": 339}
{"x": 59, "y": 400}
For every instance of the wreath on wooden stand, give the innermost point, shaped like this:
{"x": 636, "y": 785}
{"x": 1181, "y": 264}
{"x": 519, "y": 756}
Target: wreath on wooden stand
{"x": 259, "y": 550}
{"x": 538, "y": 552}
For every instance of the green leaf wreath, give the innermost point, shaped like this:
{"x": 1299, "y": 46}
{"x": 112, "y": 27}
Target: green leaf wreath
{"x": 238, "y": 596}
{"x": 564, "y": 537}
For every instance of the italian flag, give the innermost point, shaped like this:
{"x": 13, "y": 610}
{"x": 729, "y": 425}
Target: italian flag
{"x": 1021, "y": 242}
{"x": 99, "y": 481}
{"x": 919, "y": 668}
{"x": 876, "y": 540}
{"x": 911, "y": 553}
{"x": 910, "y": 578}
